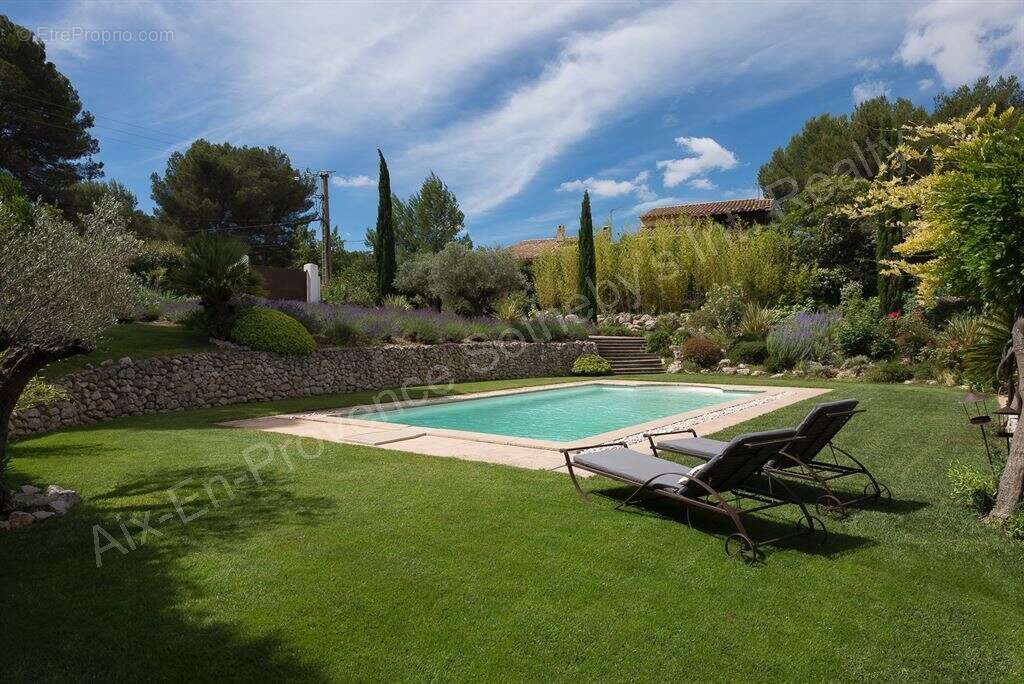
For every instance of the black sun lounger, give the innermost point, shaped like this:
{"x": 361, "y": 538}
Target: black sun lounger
{"x": 721, "y": 485}
{"x": 801, "y": 459}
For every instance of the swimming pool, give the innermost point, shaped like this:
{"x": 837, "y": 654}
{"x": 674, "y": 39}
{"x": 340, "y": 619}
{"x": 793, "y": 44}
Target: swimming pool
{"x": 560, "y": 415}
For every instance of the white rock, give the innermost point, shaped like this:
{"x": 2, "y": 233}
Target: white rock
{"x": 742, "y": 371}
{"x": 59, "y": 506}
{"x": 30, "y": 489}
{"x": 758, "y": 373}
{"x": 908, "y": 382}
{"x": 53, "y": 490}
{"x": 42, "y": 515}
{"x": 778, "y": 375}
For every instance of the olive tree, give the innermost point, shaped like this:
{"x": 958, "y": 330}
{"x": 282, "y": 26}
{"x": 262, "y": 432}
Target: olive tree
{"x": 465, "y": 280}
{"x": 965, "y": 234}
{"x": 60, "y": 287}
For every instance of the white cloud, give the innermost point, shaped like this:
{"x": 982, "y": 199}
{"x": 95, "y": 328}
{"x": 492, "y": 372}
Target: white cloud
{"x": 353, "y": 181}
{"x": 870, "y": 63}
{"x": 611, "y": 188}
{"x": 601, "y": 76}
{"x": 925, "y": 84}
{"x": 966, "y": 40}
{"x": 702, "y": 184}
{"x": 708, "y": 156}
{"x": 869, "y": 89}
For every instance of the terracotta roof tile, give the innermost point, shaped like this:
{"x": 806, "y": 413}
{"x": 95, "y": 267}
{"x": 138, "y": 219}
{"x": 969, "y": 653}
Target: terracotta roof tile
{"x": 528, "y": 250}
{"x": 710, "y": 208}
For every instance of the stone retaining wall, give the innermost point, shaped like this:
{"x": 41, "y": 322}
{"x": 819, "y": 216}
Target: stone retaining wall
{"x": 175, "y": 383}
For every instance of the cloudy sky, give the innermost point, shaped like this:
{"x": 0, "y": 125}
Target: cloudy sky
{"x": 518, "y": 106}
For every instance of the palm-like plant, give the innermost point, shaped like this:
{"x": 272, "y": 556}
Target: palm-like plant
{"x": 214, "y": 268}
{"x": 983, "y": 357}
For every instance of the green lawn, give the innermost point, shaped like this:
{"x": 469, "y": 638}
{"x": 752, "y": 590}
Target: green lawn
{"x": 137, "y": 340}
{"x": 371, "y": 564}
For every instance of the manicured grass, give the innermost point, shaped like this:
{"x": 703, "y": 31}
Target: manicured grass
{"x": 369, "y": 564}
{"x": 137, "y": 340}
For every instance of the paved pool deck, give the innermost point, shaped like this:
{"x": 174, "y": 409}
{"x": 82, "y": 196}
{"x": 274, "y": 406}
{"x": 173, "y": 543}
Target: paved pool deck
{"x": 344, "y": 426}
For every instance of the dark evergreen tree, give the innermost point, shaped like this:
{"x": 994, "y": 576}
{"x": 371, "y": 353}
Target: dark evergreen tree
{"x": 586, "y": 274}
{"x": 44, "y": 132}
{"x": 384, "y": 245}
{"x": 890, "y": 287}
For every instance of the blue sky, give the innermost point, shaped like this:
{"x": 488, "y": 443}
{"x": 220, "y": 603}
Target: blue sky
{"x": 517, "y": 106}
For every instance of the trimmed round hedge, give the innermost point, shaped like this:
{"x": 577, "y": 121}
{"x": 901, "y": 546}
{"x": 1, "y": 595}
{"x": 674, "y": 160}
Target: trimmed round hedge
{"x": 272, "y": 331}
{"x": 591, "y": 364}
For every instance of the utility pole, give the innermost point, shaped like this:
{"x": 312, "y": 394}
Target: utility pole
{"x": 325, "y": 225}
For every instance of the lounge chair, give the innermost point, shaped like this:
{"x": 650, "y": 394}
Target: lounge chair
{"x": 719, "y": 486}
{"x": 801, "y": 459}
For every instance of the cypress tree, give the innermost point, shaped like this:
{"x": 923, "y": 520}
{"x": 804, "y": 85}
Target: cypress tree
{"x": 890, "y": 287}
{"x": 586, "y": 273}
{"x": 384, "y": 247}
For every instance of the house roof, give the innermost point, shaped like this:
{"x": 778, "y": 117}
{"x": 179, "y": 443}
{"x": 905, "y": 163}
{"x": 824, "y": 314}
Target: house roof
{"x": 528, "y": 250}
{"x": 710, "y": 209}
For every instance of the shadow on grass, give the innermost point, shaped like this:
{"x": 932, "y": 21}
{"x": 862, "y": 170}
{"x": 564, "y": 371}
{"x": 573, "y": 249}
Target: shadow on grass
{"x": 776, "y": 523}
{"x": 810, "y": 494}
{"x": 136, "y": 617}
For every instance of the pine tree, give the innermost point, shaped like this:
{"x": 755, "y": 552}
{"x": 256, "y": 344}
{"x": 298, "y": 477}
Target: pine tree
{"x": 384, "y": 247}
{"x": 586, "y": 274}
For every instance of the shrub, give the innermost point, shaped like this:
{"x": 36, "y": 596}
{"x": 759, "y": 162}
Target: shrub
{"x": 757, "y": 322}
{"x": 273, "y": 331}
{"x": 38, "y": 392}
{"x": 658, "y": 341}
{"x": 213, "y": 268}
{"x": 889, "y": 371}
{"x": 351, "y": 286}
{"x": 375, "y": 329}
{"x": 724, "y": 306}
{"x": 591, "y": 364}
{"x": 150, "y": 312}
{"x": 1015, "y": 524}
{"x": 749, "y": 352}
{"x": 971, "y": 488}
{"x": 803, "y": 336}
{"x": 311, "y": 320}
{"x": 616, "y": 330}
{"x": 453, "y": 332}
{"x": 421, "y": 330}
{"x": 466, "y": 280}
{"x": 396, "y": 302}
{"x": 343, "y": 332}
{"x": 702, "y": 351}
{"x": 195, "y": 319}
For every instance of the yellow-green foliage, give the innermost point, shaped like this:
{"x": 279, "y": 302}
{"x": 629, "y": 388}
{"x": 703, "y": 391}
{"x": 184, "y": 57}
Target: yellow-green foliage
{"x": 671, "y": 266}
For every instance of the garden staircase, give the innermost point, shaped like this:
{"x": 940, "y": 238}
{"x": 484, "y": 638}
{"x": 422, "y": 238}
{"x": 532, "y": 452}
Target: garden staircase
{"x": 627, "y": 355}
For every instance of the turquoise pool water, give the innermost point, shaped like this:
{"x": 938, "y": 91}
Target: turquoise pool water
{"x": 559, "y": 415}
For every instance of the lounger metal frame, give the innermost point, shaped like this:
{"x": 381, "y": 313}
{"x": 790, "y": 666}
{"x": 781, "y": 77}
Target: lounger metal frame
{"x": 820, "y": 473}
{"x": 715, "y": 501}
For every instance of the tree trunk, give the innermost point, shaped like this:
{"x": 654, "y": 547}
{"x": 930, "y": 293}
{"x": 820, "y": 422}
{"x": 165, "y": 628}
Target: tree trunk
{"x": 18, "y": 366}
{"x": 1011, "y": 484}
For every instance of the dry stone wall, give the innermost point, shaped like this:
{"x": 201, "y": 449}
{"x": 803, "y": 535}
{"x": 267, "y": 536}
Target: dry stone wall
{"x": 234, "y": 376}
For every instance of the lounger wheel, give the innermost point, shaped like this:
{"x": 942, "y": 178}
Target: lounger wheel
{"x": 882, "y": 492}
{"x": 737, "y": 542}
{"x": 830, "y": 505}
{"x": 813, "y": 526}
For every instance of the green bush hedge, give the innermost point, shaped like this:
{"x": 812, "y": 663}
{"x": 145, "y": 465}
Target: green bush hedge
{"x": 749, "y": 352}
{"x": 591, "y": 364}
{"x": 272, "y": 331}
{"x": 889, "y": 371}
{"x": 658, "y": 341}
{"x": 1015, "y": 524}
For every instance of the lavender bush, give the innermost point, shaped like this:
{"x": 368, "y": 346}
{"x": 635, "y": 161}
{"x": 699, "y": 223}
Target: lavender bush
{"x": 805, "y": 335}
{"x": 346, "y": 324}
